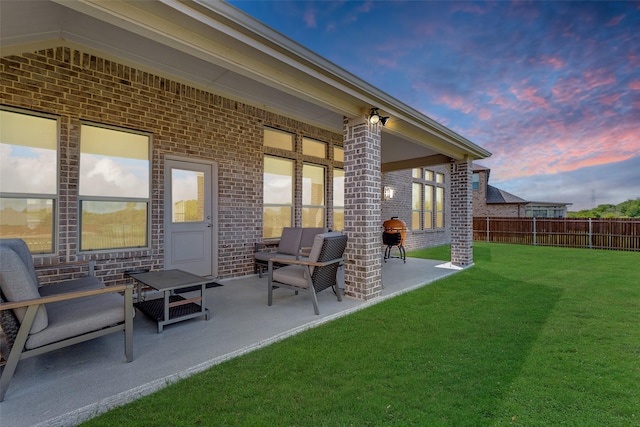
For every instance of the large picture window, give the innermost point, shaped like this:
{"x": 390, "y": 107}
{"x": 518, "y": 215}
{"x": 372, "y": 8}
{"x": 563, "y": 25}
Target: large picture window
{"x": 278, "y": 196}
{"x": 297, "y": 186}
{"x": 28, "y": 179}
{"x": 428, "y": 190}
{"x": 113, "y": 188}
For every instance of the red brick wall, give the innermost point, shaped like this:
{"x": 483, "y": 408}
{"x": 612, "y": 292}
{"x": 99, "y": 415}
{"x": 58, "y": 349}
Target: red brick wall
{"x": 183, "y": 120}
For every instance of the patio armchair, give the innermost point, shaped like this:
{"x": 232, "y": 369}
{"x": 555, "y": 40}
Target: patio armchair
{"x": 314, "y": 274}
{"x": 39, "y": 319}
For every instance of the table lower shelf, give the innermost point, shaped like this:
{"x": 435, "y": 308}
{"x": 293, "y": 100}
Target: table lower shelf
{"x": 154, "y": 308}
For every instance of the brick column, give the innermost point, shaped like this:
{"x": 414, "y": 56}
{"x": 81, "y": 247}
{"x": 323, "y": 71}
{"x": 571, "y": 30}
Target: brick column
{"x": 462, "y": 213}
{"x": 362, "y": 193}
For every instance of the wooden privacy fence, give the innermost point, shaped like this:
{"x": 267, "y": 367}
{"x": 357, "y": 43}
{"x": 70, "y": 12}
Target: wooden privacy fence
{"x": 610, "y": 233}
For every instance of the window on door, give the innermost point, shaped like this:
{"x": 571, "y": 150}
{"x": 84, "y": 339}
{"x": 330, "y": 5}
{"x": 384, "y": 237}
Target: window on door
{"x": 113, "y": 188}
{"x": 187, "y": 195}
{"x": 28, "y": 178}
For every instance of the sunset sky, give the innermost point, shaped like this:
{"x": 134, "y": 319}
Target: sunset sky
{"x": 552, "y": 89}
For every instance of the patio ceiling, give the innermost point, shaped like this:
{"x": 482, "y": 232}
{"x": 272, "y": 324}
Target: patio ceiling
{"x": 213, "y": 46}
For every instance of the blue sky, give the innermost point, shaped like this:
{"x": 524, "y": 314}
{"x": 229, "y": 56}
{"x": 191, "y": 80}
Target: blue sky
{"x": 552, "y": 89}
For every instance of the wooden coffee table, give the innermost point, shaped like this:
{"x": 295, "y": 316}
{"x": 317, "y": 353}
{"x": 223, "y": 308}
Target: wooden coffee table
{"x": 171, "y": 308}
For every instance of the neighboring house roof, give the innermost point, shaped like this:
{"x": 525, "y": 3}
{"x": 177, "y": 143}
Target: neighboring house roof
{"x": 215, "y": 47}
{"x": 496, "y": 195}
{"x": 478, "y": 167}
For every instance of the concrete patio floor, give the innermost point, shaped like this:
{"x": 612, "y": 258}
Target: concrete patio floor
{"x": 71, "y": 385}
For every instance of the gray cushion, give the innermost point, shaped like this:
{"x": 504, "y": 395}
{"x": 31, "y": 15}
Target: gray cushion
{"x": 308, "y": 236}
{"x": 290, "y": 241}
{"x": 20, "y": 247}
{"x": 317, "y": 245}
{"x": 294, "y": 275}
{"x": 17, "y": 284}
{"x": 75, "y": 317}
{"x": 82, "y": 284}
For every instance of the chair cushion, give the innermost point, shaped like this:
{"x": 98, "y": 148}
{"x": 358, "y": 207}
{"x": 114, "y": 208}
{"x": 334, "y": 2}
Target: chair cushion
{"x": 294, "y": 275}
{"x": 290, "y": 241}
{"x": 17, "y": 284}
{"x": 75, "y": 317}
{"x": 82, "y": 284}
{"x": 20, "y": 247}
{"x": 308, "y": 236}
{"x": 317, "y": 245}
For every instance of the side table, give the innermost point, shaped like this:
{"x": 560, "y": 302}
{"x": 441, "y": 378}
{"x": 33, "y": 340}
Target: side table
{"x": 171, "y": 308}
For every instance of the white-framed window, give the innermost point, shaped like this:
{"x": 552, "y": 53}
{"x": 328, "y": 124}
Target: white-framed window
{"x": 427, "y": 199}
{"x": 114, "y": 188}
{"x": 313, "y": 196}
{"x": 476, "y": 181}
{"x": 278, "y": 195}
{"x": 29, "y": 178}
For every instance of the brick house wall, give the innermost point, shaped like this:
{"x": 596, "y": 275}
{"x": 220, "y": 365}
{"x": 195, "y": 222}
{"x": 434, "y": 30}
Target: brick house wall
{"x": 480, "y": 207}
{"x": 400, "y": 206}
{"x": 183, "y": 120}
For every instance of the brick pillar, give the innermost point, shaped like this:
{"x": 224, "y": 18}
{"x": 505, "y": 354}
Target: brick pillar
{"x": 362, "y": 194}
{"x": 462, "y": 213}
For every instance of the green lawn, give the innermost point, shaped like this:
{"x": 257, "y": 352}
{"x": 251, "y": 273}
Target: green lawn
{"x": 530, "y": 336}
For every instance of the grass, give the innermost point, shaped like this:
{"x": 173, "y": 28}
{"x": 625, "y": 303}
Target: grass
{"x": 530, "y": 336}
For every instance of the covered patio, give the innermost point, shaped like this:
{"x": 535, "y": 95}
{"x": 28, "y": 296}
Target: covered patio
{"x": 71, "y": 385}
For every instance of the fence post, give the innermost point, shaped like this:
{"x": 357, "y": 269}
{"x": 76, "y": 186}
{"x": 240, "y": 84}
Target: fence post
{"x": 535, "y": 243}
{"x": 590, "y": 234}
{"x": 488, "y": 229}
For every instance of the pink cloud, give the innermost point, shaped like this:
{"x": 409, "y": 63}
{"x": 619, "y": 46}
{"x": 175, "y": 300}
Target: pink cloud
{"x": 567, "y": 91}
{"x": 555, "y": 62}
{"x": 563, "y": 148}
{"x": 634, "y": 85}
{"x": 455, "y": 103}
{"x": 594, "y": 79}
{"x": 610, "y": 99}
{"x": 530, "y": 95}
{"x": 615, "y": 21}
{"x": 484, "y": 114}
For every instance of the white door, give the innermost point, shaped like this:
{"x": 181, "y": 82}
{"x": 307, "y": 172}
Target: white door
{"x": 189, "y": 222}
